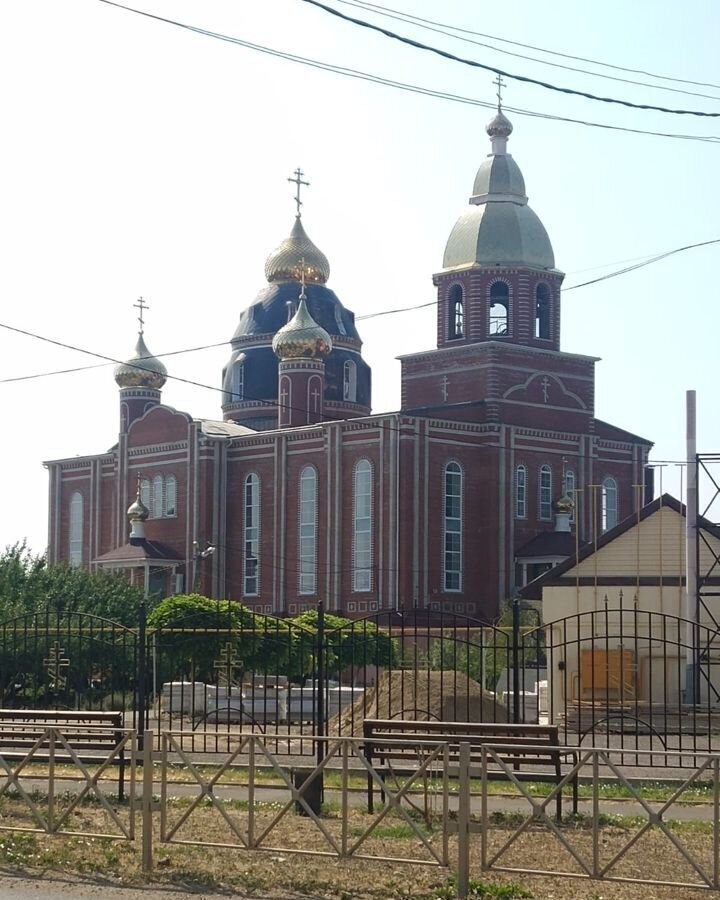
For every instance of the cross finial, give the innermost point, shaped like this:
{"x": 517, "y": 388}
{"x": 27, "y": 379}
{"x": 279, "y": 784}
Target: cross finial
{"x": 298, "y": 181}
{"x": 142, "y": 306}
{"x": 500, "y": 85}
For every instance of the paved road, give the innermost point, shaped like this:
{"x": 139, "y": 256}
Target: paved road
{"x": 55, "y": 888}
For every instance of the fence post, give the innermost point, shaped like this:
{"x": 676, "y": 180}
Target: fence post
{"x": 147, "y": 799}
{"x": 463, "y": 868}
{"x": 320, "y": 683}
{"x": 516, "y": 658}
{"x": 141, "y": 673}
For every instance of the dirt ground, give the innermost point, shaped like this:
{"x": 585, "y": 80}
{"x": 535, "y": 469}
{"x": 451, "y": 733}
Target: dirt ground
{"x": 282, "y": 868}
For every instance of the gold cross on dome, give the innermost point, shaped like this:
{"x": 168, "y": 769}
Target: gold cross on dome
{"x": 297, "y": 181}
{"x": 142, "y": 306}
{"x": 500, "y": 85}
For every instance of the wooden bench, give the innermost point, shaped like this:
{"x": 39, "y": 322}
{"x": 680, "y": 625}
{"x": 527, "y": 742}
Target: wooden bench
{"x": 533, "y": 751}
{"x": 93, "y": 736}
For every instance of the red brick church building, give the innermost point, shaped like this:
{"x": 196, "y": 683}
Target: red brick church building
{"x": 300, "y": 494}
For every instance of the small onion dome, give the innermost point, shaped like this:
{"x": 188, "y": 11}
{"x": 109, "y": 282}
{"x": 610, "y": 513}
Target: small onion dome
{"x": 143, "y": 370}
{"x": 302, "y": 337}
{"x": 563, "y": 505}
{"x": 137, "y": 511}
{"x": 296, "y": 253}
{"x": 499, "y": 126}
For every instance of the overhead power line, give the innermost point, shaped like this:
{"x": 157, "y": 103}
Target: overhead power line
{"x": 445, "y": 54}
{"x": 359, "y": 75}
{"x": 645, "y": 261}
{"x": 448, "y": 31}
{"x": 374, "y": 7}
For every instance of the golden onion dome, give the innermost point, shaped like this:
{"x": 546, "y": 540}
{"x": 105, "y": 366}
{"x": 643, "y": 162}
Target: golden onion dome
{"x": 302, "y": 337}
{"x": 563, "y": 505}
{"x": 137, "y": 511}
{"x": 142, "y": 371}
{"x": 296, "y": 254}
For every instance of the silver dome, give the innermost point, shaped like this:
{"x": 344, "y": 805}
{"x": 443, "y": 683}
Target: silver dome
{"x": 499, "y": 228}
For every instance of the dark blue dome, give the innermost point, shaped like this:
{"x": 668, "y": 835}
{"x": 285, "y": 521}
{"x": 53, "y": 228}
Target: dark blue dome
{"x": 269, "y": 312}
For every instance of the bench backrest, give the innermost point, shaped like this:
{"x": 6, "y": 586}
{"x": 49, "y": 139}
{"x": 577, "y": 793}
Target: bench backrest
{"x": 515, "y": 743}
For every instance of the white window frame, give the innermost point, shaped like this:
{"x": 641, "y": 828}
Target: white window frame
{"x": 452, "y": 561}
{"x": 145, "y": 493}
{"x": 170, "y": 497}
{"x": 157, "y": 496}
{"x": 75, "y": 529}
{"x": 609, "y": 504}
{"x": 521, "y": 492}
{"x": 307, "y": 531}
{"x": 251, "y": 535}
{"x": 237, "y": 382}
{"x": 362, "y": 511}
{"x": 545, "y": 493}
{"x": 570, "y": 490}
{"x": 350, "y": 381}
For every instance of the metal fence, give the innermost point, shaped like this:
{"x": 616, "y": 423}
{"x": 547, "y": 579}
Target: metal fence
{"x": 620, "y": 677}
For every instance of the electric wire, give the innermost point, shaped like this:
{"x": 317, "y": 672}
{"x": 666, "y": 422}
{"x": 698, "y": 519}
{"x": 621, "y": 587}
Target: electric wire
{"x": 645, "y": 261}
{"x": 442, "y": 29}
{"x": 525, "y": 79}
{"x": 360, "y": 75}
{"x": 375, "y": 7}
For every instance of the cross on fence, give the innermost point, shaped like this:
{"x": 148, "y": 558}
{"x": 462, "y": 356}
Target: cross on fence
{"x": 56, "y": 662}
{"x": 227, "y": 664}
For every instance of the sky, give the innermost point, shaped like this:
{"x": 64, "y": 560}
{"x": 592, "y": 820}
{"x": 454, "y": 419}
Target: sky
{"x": 142, "y": 159}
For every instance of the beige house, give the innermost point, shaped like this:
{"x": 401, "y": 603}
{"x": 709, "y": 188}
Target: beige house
{"x": 622, "y": 641}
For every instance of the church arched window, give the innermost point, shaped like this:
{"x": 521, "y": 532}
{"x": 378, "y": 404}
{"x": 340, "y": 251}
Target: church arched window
{"x": 542, "y": 312}
{"x": 452, "y": 528}
{"x": 499, "y": 309}
{"x": 156, "y": 511}
{"x": 238, "y": 382}
{"x": 609, "y": 504}
{"x": 75, "y": 547}
{"x": 145, "y": 493}
{"x": 456, "y": 313}
{"x": 362, "y": 526}
{"x": 545, "y": 493}
{"x": 570, "y": 489}
{"x": 521, "y": 492}
{"x": 349, "y": 381}
{"x": 251, "y": 546}
{"x": 307, "y": 537}
{"x": 171, "y": 496}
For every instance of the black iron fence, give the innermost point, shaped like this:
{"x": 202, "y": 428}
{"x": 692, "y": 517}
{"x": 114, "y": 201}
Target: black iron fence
{"x": 621, "y": 677}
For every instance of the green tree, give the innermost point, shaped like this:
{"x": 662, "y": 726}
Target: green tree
{"x": 190, "y": 632}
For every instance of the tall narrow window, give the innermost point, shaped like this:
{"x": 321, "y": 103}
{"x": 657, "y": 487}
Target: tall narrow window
{"x": 499, "y": 309}
{"x": 545, "y": 493}
{"x": 76, "y": 529}
{"x": 145, "y": 493}
{"x": 251, "y": 559}
{"x": 521, "y": 492}
{"x": 362, "y": 526}
{"x": 452, "y": 538}
{"x": 542, "y": 312}
{"x": 171, "y": 496}
{"x": 609, "y": 504}
{"x": 307, "y": 537}
{"x": 156, "y": 510}
{"x": 349, "y": 381}
{"x": 570, "y": 490}
{"x": 456, "y": 313}
{"x": 238, "y": 381}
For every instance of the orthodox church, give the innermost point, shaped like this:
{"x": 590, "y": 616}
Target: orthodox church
{"x": 494, "y": 468}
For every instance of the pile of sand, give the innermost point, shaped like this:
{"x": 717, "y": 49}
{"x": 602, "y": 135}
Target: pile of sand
{"x": 446, "y": 696}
